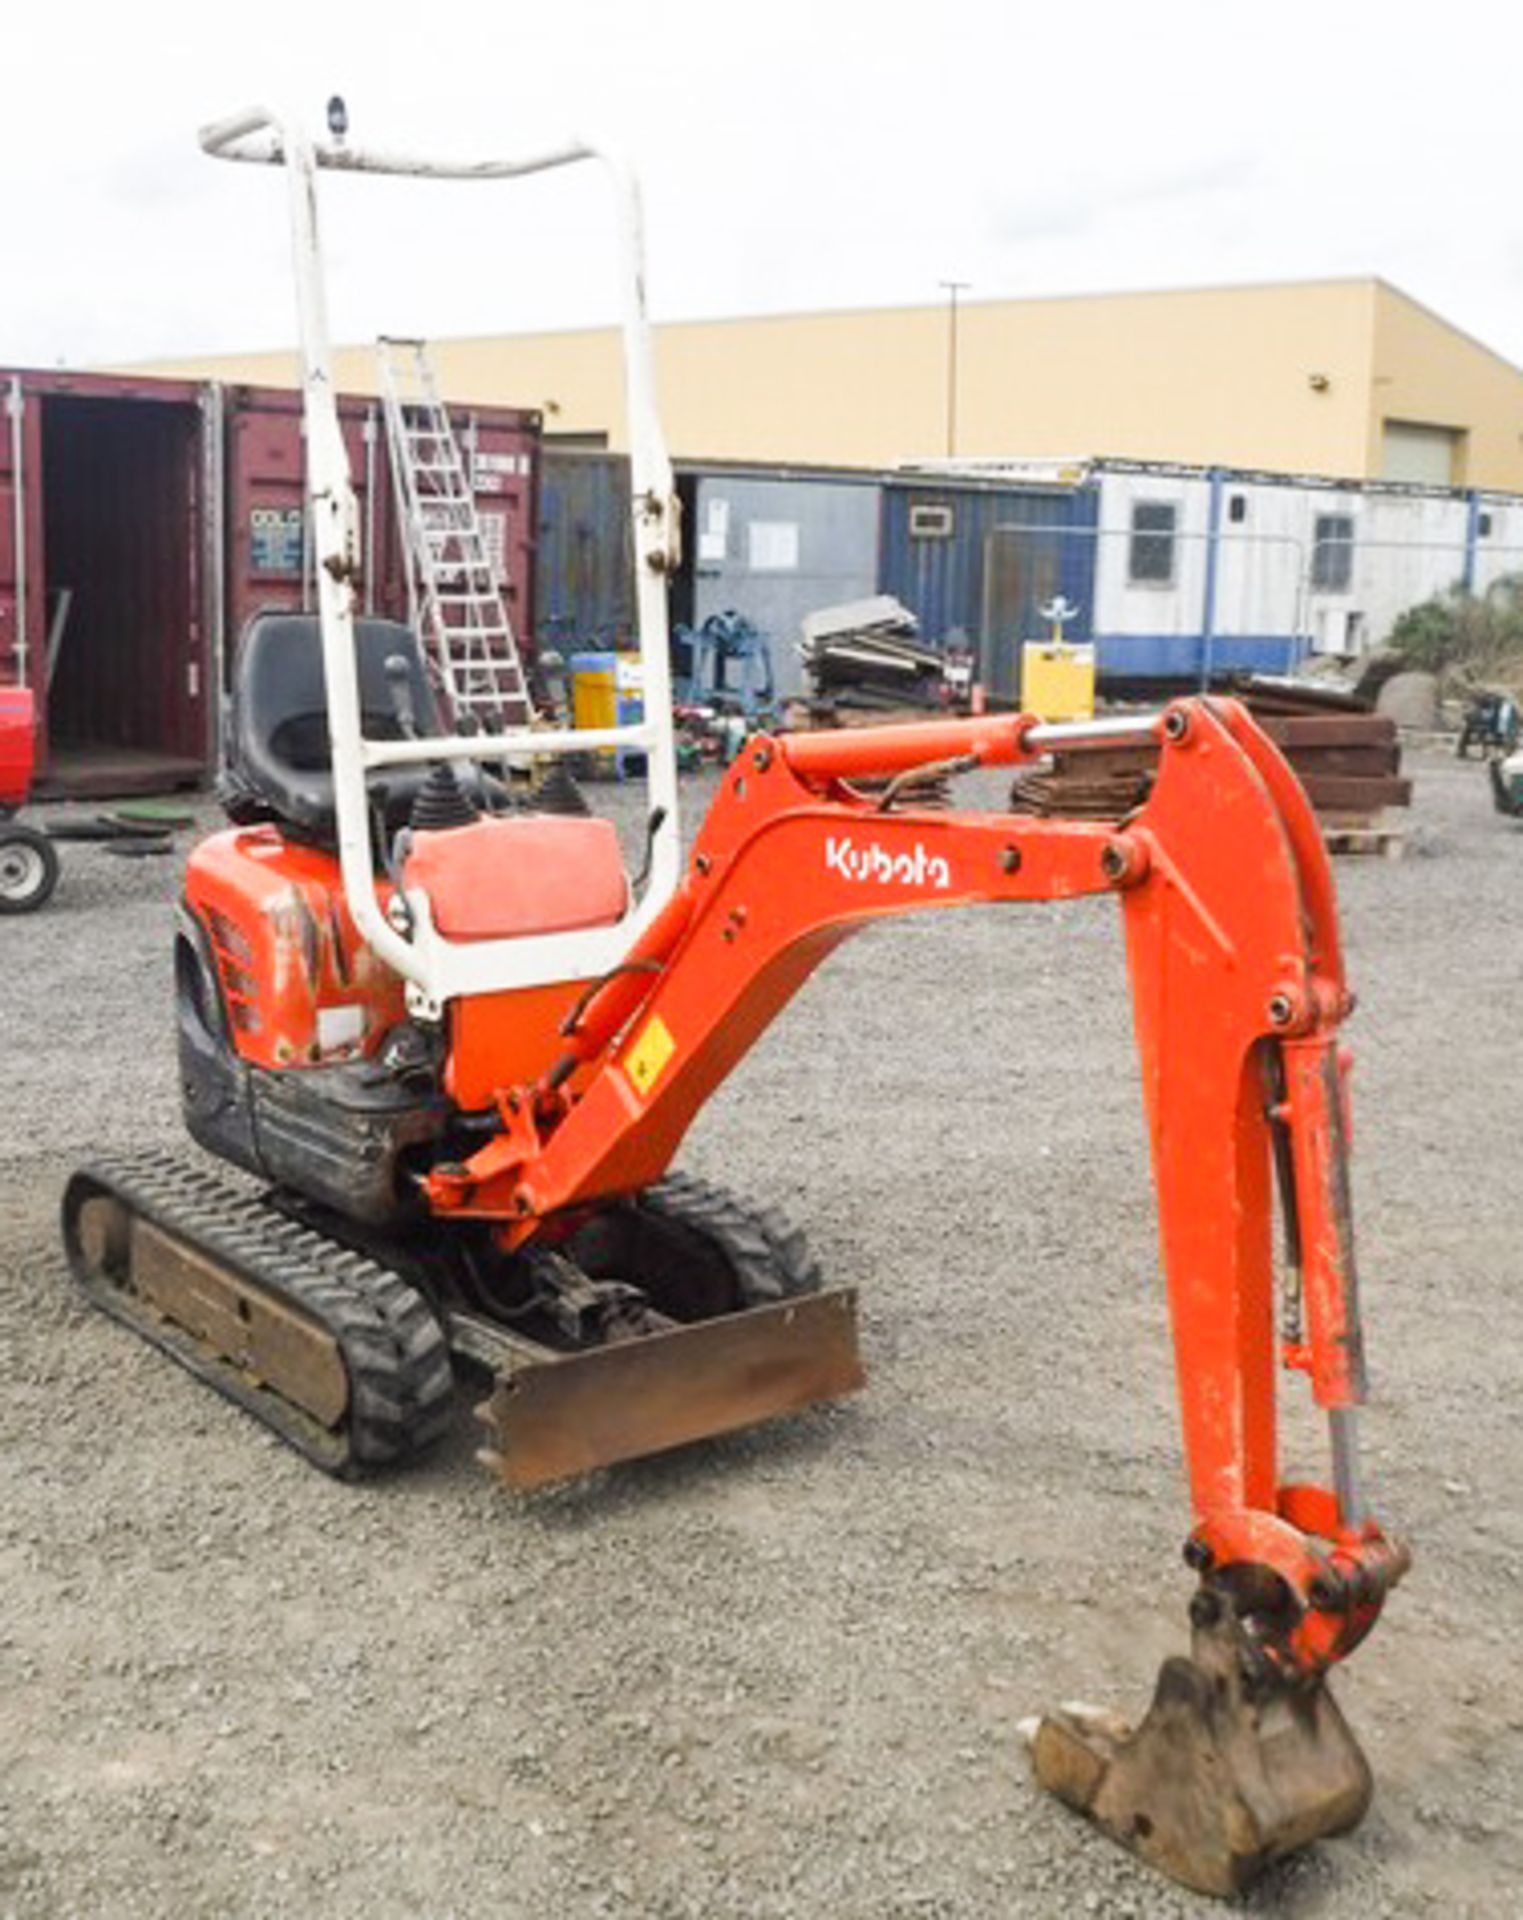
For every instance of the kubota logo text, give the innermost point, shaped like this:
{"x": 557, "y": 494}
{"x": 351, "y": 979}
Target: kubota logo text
{"x": 917, "y": 868}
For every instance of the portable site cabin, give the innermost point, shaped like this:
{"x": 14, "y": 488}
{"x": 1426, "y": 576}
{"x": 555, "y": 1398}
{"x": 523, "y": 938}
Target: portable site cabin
{"x": 1181, "y": 574}
{"x": 143, "y": 520}
{"x": 771, "y": 543}
{"x": 1201, "y": 571}
{"x": 976, "y": 560}
{"x": 774, "y": 544}
{"x": 1178, "y": 574}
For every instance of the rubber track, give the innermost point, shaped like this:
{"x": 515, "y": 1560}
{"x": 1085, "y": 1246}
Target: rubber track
{"x": 770, "y": 1257}
{"x": 393, "y": 1348}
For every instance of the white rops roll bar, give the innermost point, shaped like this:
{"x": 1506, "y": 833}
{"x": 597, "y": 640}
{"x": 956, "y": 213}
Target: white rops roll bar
{"x": 437, "y": 969}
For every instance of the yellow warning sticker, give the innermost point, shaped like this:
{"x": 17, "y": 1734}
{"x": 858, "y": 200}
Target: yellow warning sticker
{"x": 646, "y": 1059}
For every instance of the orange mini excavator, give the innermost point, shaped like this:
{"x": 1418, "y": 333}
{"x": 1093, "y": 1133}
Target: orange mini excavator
{"x": 460, "y": 1048}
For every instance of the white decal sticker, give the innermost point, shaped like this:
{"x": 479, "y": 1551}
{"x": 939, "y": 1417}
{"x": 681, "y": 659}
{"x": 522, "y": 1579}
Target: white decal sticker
{"x": 872, "y": 862}
{"x": 773, "y": 546}
{"x": 494, "y": 537}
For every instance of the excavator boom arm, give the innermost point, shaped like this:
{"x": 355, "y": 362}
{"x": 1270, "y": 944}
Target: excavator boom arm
{"x": 1238, "y": 992}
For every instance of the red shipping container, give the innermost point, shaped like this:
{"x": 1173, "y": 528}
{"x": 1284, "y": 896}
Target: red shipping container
{"x": 153, "y": 517}
{"x": 104, "y": 582}
{"x": 268, "y": 556}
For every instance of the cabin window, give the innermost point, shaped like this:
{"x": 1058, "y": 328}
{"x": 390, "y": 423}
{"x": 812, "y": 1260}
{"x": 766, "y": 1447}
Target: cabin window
{"x": 1150, "y": 561}
{"x": 1332, "y": 553}
{"x": 930, "y": 523}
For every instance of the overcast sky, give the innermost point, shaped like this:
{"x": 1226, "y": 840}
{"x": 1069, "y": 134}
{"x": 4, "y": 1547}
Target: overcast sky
{"x": 824, "y": 154}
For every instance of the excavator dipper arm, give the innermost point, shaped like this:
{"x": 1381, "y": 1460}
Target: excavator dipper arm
{"x": 1238, "y": 991}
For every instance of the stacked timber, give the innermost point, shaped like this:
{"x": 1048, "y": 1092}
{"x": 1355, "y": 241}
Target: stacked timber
{"x": 1347, "y": 759}
{"x": 1348, "y": 763}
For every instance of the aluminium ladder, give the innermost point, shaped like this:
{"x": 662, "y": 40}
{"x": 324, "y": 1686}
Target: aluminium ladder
{"x": 454, "y": 597}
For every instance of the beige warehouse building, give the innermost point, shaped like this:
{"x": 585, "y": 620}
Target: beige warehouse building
{"x": 1345, "y": 377}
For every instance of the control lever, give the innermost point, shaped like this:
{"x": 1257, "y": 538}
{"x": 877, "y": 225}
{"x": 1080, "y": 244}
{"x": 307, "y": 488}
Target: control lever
{"x": 653, "y": 826}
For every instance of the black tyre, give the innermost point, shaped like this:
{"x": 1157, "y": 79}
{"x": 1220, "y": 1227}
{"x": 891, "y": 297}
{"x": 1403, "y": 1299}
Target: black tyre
{"x": 28, "y": 868}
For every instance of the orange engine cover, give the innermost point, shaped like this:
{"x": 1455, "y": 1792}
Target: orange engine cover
{"x": 302, "y": 989}
{"x": 300, "y": 986}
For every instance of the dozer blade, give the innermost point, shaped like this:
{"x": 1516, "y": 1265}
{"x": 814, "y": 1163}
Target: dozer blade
{"x": 554, "y": 1419}
{"x": 1223, "y": 1776}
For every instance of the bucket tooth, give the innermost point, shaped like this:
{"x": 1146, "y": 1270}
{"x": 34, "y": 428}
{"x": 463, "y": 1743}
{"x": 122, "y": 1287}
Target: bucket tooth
{"x": 1223, "y": 1776}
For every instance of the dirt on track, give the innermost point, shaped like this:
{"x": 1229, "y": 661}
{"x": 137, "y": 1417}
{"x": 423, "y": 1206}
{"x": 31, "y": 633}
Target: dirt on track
{"x": 776, "y": 1675}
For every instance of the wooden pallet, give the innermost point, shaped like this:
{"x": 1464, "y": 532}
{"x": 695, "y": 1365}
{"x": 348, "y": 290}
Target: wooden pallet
{"x": 1384, "y": 843}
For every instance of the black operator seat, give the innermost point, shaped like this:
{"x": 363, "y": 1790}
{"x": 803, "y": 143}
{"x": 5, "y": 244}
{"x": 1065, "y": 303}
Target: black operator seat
{"x": 278, "y": 760}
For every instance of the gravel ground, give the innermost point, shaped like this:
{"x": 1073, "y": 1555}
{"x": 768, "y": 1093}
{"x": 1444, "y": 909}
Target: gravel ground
{"x": 776, "y": 1675}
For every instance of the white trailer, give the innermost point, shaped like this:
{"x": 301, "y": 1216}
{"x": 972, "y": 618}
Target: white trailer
{"x": 1193, "y": 570}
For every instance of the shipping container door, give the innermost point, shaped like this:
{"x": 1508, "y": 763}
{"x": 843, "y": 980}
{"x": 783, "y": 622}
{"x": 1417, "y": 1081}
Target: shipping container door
{"x": 1028, "y": 569}
{"x": 268, "y": 540}
{"x": 121, "y": 486}
{"x": 499, "y": 458}
{"x": 932, "y": 559}
{"x": 583, "y": 565}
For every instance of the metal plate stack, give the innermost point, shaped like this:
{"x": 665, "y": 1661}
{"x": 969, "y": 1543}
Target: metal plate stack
{"x": 866, "y": 655}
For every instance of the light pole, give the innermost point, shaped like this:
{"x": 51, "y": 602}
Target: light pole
{"x": 953, "y": 287}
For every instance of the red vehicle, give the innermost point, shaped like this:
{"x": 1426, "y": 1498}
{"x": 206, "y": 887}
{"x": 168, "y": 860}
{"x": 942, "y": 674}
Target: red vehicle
{"x": 28, "y": 860}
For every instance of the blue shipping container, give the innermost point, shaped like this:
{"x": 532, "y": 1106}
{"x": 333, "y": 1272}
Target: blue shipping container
{"x": 975, "y": 564}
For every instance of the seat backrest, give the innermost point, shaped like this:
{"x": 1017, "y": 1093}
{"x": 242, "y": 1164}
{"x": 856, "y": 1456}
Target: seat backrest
{"x": 278, "y": 754}
{"x": 501, "y": 879}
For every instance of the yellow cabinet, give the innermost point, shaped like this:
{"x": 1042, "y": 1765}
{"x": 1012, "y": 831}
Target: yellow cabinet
{"x": 1058, "y": 680}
